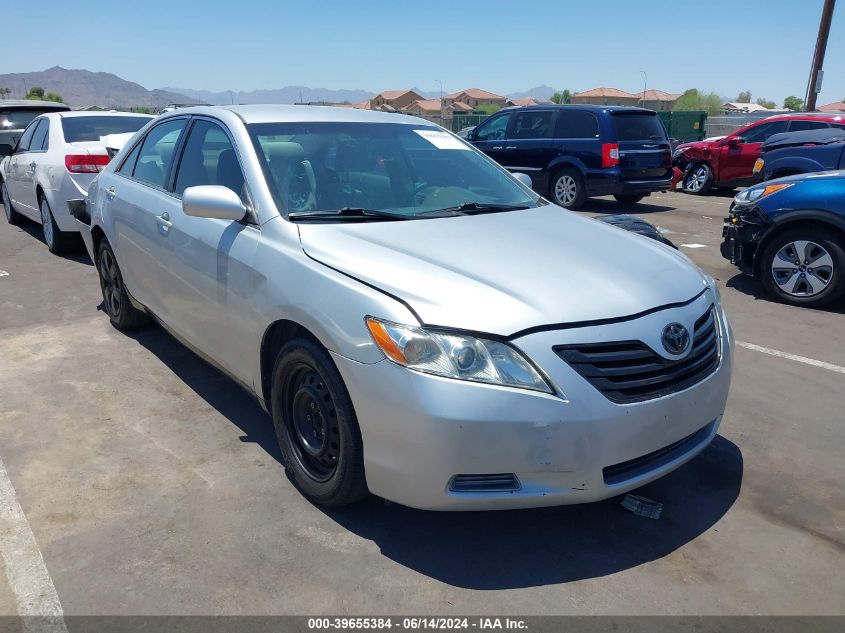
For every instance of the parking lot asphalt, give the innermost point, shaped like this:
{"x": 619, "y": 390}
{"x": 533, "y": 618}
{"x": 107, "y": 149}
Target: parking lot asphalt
{"x": 152, "y": 484}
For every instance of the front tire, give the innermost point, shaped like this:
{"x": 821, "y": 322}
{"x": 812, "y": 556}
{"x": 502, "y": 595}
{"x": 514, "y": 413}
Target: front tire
{"x": 57, "y": 241}
{"x": 12, "y": 216}
{"x": 698, "y": 179}
{"x": 122, "y": 314}
{"x": 567, "y": 189}
{"x": 316, "y": 426}
{"x": 804, "y": 267}
{"x": 629, "y": 198}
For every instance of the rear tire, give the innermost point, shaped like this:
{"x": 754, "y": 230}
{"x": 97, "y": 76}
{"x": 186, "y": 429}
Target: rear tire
{"x": 804, "y": 267}
{"x": 316, "y": 426}
{"x": 12, "y": 216}
{"x": 57, "y": 241}
{"x": 633, "y": 198}
{"x": 567, "y": 189}
{"x": 122, "y": 314}
{"x": 698, "y": 179}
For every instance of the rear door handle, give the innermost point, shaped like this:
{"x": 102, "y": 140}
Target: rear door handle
{"x": 164, "y": 223}
{"x": 510, "y": 147}
{"x": 496, "y": 147}
{"x": 33, "y": 165}
{"x": 110, "y": 194}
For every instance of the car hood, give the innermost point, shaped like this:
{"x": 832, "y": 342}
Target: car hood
{"x": 705, "y": 144}
{"x": 505, "y": 272}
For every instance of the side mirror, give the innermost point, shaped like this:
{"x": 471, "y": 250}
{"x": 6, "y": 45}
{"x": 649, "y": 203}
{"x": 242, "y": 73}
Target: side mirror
{"x": 735, "y": 141}
{"x": 213, "y": 201}
{"x": 5, "y": 150}
{"x": 525, "y": 179}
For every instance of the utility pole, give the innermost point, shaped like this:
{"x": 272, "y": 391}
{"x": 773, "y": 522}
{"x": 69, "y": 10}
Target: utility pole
{"x": 814, "y": 83}
{"x": 441, "y": 101}
{"x": 645, "y": 83}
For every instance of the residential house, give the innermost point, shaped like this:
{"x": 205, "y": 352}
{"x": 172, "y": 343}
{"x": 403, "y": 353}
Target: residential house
{"x": 474, "y": 97}
{"x": 393, "y": 100}
{"x": 734, "y": 107}
{"x": 839, "y": 106}
{"x": 526, "y": 101}
{"x": 606, "y": 96}
{"x": 658, "y": 100}
{"x": 425, "y": 108}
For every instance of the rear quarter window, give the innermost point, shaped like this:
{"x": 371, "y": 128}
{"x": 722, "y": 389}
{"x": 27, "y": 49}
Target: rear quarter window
{"x": 638, "y": 127}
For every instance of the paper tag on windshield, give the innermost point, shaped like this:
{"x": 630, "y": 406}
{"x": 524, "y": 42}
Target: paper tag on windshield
{"x": 441, "y": 140}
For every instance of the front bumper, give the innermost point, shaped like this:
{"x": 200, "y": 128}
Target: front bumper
{"x": 742, "y": 232}
{"x": 420, "y": 431}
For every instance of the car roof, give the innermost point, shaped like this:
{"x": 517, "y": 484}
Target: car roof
{"x": 272, "y": 113}
{"x": 31, "y": 103}
{"x": 582, "y": 106}
{"x": 99, "y": 113}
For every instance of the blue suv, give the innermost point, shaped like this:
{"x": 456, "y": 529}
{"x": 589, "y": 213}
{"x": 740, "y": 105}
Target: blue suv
{"x": 574, "y": 152}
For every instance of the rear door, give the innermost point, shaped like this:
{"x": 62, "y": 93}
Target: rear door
{"x": 490, "y": 135}
{"x": 31, "y": 164}
{"x": 736, "y": 162}
{"x": 528, "y": 143}
{"x": 16, "y": 168}
{"x": 577, "y": 136}
{"x": 644, "y": 149}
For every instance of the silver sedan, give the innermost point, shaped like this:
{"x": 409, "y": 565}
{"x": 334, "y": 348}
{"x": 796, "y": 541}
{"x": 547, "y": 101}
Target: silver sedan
{"x": 419, "y": 323}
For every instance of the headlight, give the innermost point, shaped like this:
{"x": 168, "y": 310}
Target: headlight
{"x": 752, "y": 194}
{"x": 456, "y": 355}
{"x": 678, "y": 152}
{"x": 714, "y": 287}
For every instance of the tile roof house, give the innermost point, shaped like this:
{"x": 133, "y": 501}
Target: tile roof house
{"x": 474, "y": 97}
{"x": 424, "y": 107}
{"x": 606, "y": 96}
{"x": 658, "y": 100}
{"x": 734, "y": 107}
{"x": 838, "y": 106}
{"x": 393, "y": 100}
{"x": 526, "y": 101}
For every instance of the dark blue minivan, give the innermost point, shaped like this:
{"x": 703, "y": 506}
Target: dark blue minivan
{"x": 573, "y": 152}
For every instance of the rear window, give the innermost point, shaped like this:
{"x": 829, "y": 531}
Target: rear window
{"x": 638, "y": 127}
{"x": 91, "y": 128}
{"x": 19, "y": 118}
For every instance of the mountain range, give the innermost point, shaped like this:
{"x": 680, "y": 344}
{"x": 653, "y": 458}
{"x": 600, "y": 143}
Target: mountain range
{"x": 81, "y": 88}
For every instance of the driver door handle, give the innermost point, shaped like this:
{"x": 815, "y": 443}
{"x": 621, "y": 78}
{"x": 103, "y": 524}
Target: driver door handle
{"x": 164, "y": 223}
{"x": 510, "y": 147}
{"x": 110, "y": 193}
{"x": 497, "y": 147}
{"x": 33, "y": 165}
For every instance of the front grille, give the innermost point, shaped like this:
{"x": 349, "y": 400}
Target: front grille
{"x": 630, "y": 371}
{"x": 618, "y": 473}
{"x": 501, "y": 482}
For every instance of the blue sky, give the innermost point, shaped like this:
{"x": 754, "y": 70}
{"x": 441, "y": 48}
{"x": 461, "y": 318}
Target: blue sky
{"x": 761, "y": 45}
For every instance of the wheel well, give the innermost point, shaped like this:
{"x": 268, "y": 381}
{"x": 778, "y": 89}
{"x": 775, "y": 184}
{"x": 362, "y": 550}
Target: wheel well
{"x": 276, "y": 336}
{"x": 39, "y": 193}
{"x": 785, "y": 172}
{"x": 97, "y": 236}
{"x": 788, "y": 226}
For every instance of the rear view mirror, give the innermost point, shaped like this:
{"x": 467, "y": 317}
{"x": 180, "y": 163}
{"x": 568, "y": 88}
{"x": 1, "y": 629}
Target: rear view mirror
{"x": 213, "y": 201}
{"x": 5, "y": 150}
{"x": 525, "y": 179}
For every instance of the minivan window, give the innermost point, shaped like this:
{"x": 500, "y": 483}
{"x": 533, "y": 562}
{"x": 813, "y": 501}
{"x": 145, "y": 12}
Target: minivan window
{"x": 39, "y": 137}
{"x": 91, "y": 128}
{"x": 209, "y": 159}
{"x": 576, "y": 124}
{"x": 18, "y": 119}
{"x": 638, "y": 127}
{"x": 156, "y": 156}
{"x": 410, "y": 170}
{"x": 492, "y": 130}
{"x": 532, "y": 124}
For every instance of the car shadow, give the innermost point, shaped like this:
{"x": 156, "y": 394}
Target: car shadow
{"x": 77, "y": 254}
{"x": 612, "y": 207}
{"x": 749, "y": 286}
{"x": 502, "y": 549}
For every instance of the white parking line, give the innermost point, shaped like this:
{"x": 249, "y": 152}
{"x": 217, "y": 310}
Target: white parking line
{"x": 29, "y": 580}
{"x": 799, "y": 359}
{"x": 694, "y": 245}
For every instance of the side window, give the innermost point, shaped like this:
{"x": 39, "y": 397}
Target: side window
{"x": 576, "y": 124}
{"x": 760, "y": 133}
{"x": 39, "y": 137}
{"x": 24, "y": 141}
{"x": 156, "y": 156}
{"x": 128, "y": 165}
{"x": 799, "y": 126}
{"x": 209, "y": 159}
{"x": 532, "y": 124}
{"x": 492, "y": 130}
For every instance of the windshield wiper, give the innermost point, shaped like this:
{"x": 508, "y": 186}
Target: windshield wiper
{"x": 348, "y": 213}
{"x": 475, "y": 208}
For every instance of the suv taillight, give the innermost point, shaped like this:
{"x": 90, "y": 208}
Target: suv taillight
{"x": 609, "y": 155}
{"x": 85, "y": 163}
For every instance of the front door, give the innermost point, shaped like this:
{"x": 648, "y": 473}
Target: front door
{"x": 528, "y": 144}
{"x": 736, "y": 161}
{"x": 18, "y": 164}
{"x": 490, "y": 135}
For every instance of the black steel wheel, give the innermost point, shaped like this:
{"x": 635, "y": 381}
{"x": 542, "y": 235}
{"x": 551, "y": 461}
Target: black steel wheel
{"x": 122, "y": 313}
{"x": 316, "y": 425}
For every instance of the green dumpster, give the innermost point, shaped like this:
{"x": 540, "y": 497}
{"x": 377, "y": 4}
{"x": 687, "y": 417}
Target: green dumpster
{"x": 684, "y": 126}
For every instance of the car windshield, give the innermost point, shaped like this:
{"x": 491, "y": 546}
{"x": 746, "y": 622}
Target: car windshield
{"x": 638, "y": 127}
{"x": 408, "y": 170}
{"x": 19, "y": 118}
{"x": 91, "y": 128}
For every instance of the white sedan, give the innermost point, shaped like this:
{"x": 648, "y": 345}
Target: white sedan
{"x": 52, "y": 165}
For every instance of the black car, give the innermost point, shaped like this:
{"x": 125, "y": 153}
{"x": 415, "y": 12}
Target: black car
{"x": 574, "y": 152}
{"x": 793, "y": 153}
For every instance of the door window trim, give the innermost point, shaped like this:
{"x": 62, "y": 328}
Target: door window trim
{"x": 514, "y": 114}
{"x": 46, "y": 140}
{"x": 178, "y": 147}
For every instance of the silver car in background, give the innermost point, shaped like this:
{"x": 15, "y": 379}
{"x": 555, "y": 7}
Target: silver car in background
{"x": 419, "y": 324}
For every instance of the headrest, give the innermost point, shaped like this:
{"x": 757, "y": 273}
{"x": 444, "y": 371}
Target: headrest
{"x": 283, "y": 149}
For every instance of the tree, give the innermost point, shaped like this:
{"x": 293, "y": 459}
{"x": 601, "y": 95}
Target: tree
{"x": 744, "y": 97}
{"x": 4, "y": 92}
{"x": 793, "y": 103}
{"x": 692, "y": 99}
{"x": 562, "y": 97}
{"x": 36, "y": 92}
{"x": 488, "y": 108}
{"x": 143, "y": 110}
{"x": 53, "y": 96}
{"x": 771, "y": 105}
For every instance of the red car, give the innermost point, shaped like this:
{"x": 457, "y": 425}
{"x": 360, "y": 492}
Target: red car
{"x": 729, "y": 161}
